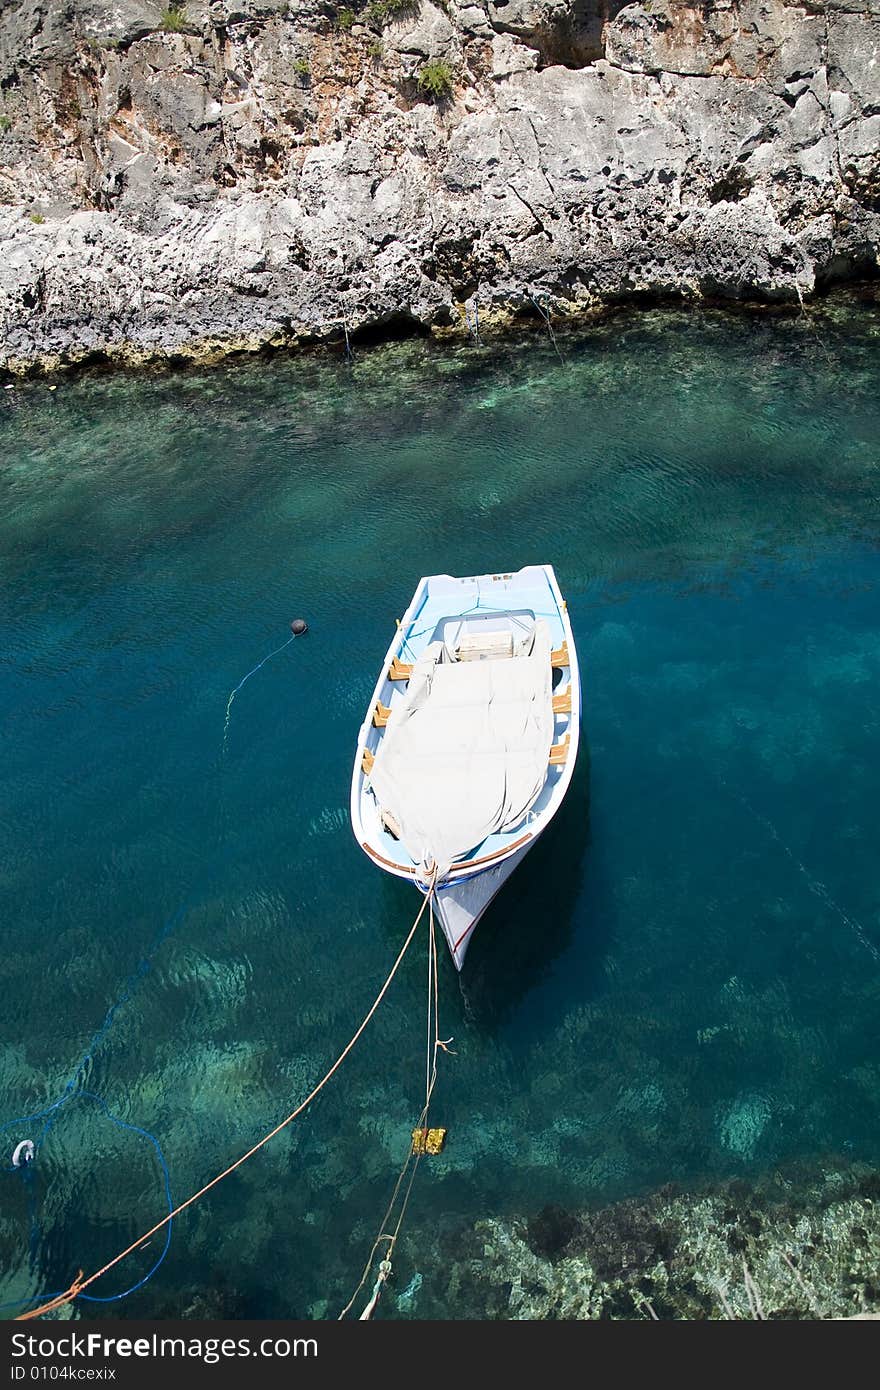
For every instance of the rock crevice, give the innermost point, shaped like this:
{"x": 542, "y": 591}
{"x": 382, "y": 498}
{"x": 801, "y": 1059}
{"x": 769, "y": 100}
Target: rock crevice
{"x": 246, "y": 175}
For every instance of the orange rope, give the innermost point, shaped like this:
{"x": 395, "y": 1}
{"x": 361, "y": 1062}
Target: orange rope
{"x": 56, "y": 1302}
{"x": 79, "y": 1284}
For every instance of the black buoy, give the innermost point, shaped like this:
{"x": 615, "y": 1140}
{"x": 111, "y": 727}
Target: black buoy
{"x": 299, "y": 627}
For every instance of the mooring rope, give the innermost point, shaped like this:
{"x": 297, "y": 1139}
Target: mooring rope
{"x": 27, "y": 1150}
{"x": 79, "y": 1285}
{"x": 244, "y": 680}
{"x": 166, "y": 1182}
{"x": 74, "y": 1091}
{"x": 349, "y": 355}
{"x": 414, "y": 1156}
{"x": 819, "y": 889}
{"x": 546, "y": 317}
{"x": 473, "y": 328}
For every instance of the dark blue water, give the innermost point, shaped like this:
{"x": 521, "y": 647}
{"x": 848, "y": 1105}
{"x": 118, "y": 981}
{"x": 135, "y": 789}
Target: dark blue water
{"x": 682, "y": 981}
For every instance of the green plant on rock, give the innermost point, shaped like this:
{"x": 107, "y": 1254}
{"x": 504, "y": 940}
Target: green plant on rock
{"x": 436, "y": 79}
{"x": 382, "y": 12}
{"x": 173, "y": 19}
{"x": 345, "y": 20}
{"x": 376, "y": 50}
{"x": 37, "y": 218}
{"x": 5, "y": 125}
{"x": 302, "y": 67}
{"x": 99, "y": 44}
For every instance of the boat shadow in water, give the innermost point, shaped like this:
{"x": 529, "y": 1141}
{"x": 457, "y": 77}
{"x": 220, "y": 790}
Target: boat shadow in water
{"x": 529, "y": 924}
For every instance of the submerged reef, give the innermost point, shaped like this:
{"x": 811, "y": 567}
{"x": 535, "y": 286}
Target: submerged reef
{"x": 188, "y": 180}
{"x": 796, "y": 1246}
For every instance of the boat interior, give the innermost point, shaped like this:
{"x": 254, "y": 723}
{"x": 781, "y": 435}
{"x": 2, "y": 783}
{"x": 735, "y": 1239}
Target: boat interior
{"x": 460, "y": 624}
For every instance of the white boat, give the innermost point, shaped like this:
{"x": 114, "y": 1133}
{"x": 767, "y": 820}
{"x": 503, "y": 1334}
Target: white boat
{"x": 470, "y": 740}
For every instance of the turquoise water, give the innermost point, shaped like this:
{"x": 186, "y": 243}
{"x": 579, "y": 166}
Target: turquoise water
{"x": 681, "y": 983}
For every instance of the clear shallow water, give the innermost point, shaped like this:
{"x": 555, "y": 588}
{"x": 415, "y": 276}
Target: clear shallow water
{"x": 662, "y": 993}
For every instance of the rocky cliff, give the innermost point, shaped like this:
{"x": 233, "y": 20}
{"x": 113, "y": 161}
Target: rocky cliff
{"x": 184, "y": 179}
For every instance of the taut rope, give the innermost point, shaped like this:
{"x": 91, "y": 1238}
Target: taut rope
{"x": 411, "y": 1163}
{"x": 79, "y": 1284}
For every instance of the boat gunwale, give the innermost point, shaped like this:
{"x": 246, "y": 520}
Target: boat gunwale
{"x": 500, "y": 853}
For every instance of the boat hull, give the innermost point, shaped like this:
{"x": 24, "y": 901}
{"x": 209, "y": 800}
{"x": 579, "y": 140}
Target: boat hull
{"x": 469, "y": 885}
{"x": 460, "y": 905}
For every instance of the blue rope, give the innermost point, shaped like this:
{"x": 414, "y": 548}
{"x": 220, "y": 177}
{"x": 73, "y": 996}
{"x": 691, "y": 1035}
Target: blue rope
{"x": 72, "y": 1090}
{"x": 166, "y": 1182}
{"x": 128, "y": 989}
{"x": 166, "y": 1179}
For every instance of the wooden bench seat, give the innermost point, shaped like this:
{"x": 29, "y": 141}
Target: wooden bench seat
{"x": 559, "y": 752}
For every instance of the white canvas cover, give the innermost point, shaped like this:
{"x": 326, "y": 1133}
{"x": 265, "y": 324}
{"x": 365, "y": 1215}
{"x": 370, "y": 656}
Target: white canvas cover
{"x": 465, "y": 752}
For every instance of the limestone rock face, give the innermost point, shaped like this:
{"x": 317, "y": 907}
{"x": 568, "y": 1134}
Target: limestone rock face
{"x": 218, "y": 175}
{"x": 426, "y": 33}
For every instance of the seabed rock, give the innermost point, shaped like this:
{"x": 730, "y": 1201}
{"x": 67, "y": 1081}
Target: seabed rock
{"x": 795, "y": 1246}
